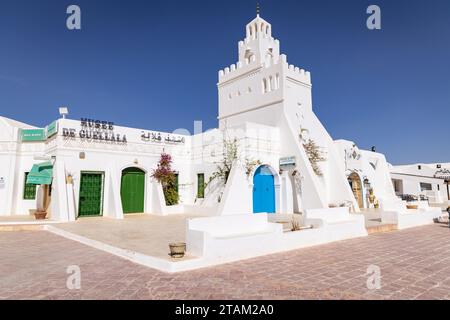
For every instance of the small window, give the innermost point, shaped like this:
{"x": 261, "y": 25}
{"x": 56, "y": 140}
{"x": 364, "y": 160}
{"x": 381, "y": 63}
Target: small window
{"x": 419, "y": 167}
{"x": 176, "y": 181}
{"x": 200, "y": 185}
{"x": 439, "y": 187}
{"x": 425, "y": 186}
{"x": 398, "y": 186}
{"x": 438, "y": 166}
{"x": 265, "y": 86}
{"x": 29, "y": 190}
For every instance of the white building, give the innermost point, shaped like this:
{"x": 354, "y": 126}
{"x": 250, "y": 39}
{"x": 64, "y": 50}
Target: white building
{"x": 265, "y": 105}
{"x": 430, "y": 181}
{"x": 368, "y": 173}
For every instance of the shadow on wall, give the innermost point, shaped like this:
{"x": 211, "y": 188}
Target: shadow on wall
{"x": 213, "y": 192}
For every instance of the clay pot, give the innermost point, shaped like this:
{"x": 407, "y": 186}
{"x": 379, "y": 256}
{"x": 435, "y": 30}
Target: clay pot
{"x": 40, "y": 215}
{"x": 177, "y": 249}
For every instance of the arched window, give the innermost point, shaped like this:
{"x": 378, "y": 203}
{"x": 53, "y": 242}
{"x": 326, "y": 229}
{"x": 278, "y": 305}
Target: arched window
{"x": 264, "y": 86}
{"x": 277, "y": 81}
{"x": 271, "y": 83}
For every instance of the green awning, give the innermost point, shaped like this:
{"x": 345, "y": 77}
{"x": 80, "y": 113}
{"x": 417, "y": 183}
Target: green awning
{"x": 41, "y": 173}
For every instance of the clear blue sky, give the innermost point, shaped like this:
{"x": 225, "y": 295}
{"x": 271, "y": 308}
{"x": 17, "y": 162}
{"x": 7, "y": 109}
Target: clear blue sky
{"x": 153, "y": 64}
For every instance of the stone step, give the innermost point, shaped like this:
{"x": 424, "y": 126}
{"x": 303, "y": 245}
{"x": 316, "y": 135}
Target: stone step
{"x": 381, "y": 228}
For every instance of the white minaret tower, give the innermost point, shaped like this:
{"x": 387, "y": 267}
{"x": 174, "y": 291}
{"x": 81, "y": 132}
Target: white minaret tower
{"x": 258, "y": 44}
{"x": 249, "y": 89}
{"x": 263, "y": 89}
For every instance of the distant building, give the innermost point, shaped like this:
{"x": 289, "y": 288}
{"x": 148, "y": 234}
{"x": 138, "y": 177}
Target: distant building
{"x": 430, "y": 181}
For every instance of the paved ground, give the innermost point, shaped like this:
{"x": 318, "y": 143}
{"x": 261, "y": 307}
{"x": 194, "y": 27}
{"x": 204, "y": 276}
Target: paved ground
{"x": 147, "y": 234}
{"x": 16, "y": 218}
{"x": 414, "y": 264}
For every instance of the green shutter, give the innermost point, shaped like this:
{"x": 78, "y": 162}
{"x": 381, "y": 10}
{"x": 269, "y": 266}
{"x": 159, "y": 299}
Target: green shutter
{"x": 29, "y": 190}
{"x": 200, "y": 185}
{"x": 91, "y": 194}
{"x": 176, "y": 182}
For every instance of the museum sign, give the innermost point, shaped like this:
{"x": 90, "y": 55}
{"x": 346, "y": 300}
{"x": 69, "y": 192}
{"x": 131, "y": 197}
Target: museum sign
{"x": 95, "y": 130}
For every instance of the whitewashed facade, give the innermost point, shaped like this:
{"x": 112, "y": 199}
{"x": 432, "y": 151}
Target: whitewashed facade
{"x": 265, "y": 103}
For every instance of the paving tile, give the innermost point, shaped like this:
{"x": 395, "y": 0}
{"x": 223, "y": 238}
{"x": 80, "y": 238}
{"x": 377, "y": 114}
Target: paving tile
{"x": 413, "y": 265}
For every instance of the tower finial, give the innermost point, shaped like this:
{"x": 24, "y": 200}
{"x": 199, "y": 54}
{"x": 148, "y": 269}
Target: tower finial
{"x": 258, "y": 9}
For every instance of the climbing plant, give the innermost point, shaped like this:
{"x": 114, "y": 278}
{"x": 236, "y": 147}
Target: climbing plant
{"x": 315, "y": 155}
{"x": 250, "y": 165}
{"x": 229, "y": 155}
{"x": 165, "y": 175}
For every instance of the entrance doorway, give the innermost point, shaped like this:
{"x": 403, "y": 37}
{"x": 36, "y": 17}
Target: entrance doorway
{"x": 355, "y": 183}
{"x": 132, "y": 190}
{"x": 91, "y": 194}
{"x": 263, "y": 190}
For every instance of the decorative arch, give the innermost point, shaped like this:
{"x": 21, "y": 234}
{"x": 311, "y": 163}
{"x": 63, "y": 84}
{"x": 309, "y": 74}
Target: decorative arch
{"x": 356, "y": 184}
{"x": 134, "y": 165}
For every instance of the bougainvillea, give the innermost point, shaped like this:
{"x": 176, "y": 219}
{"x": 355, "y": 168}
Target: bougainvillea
{"x": 167, "y": 177}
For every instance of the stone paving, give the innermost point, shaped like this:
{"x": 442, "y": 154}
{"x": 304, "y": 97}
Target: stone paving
{"x": 147, "y": 234}
{"x": 414, "y": 264}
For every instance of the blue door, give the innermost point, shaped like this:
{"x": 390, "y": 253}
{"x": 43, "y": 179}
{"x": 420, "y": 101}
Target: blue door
{"x": 263, "y": 191}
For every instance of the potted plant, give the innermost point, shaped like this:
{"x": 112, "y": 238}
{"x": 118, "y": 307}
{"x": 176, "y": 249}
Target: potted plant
{"x": 40, "y": 215}
{"x": 177, "y": 249}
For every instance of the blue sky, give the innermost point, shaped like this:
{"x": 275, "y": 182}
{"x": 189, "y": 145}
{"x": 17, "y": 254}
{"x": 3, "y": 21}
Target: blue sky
{"x": 153, "y": 64}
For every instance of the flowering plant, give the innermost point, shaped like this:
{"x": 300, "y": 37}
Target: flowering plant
{"x": 167, "y": 177}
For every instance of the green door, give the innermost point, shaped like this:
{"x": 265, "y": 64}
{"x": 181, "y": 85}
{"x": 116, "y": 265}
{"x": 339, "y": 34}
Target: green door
{"x": 132, "y": 190}
{"x": 91, "y": 192}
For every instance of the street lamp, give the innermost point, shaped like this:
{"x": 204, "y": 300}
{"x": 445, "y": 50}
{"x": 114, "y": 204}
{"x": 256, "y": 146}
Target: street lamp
{"x": 63, "y": 111}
